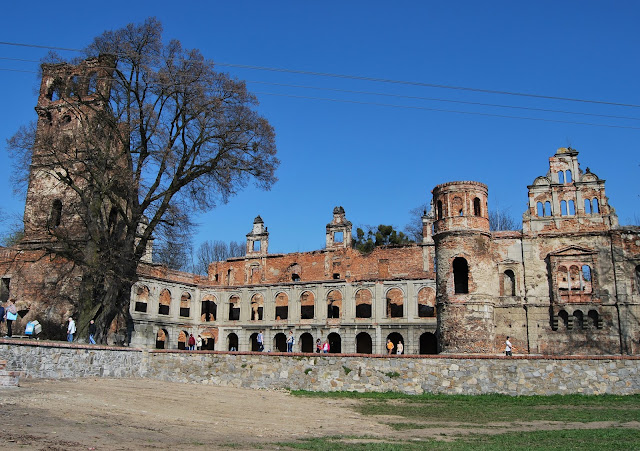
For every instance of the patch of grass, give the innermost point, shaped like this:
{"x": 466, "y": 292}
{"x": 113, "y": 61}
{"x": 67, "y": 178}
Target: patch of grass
{"x": 392, "y": 374}
{"x": 308, "y": 370}
{"x": 346, "y": 369}
{"x": 244, "y": 365}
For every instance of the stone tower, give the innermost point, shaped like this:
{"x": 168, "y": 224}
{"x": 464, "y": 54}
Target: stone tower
{"x": 464, "y": 267}
{"x": 257, "y": 239}
{"x": 338, "y": 231}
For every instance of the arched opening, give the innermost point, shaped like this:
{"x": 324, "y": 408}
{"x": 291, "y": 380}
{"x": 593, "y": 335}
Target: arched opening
{"x": 587, "y": 206}
{"x": 56, "y": 214}
{"x": 234, "y": 308}
{"x": 428, "y": 343}
{"x": 142, "y": 298}
{"x": 563, "y": 207}
{"x": 185, "y": 304}
{"x": 307, "y": 303}
{"x": 182, "y": 339}
{"x": 568, "y": 176}
{"x": 585, "y": 281}
{"x": 596, "y": 320}
{"x": 334, "y": 304}
{"x": 596, "y": 206}
{"x": 306, "y": 342}
{"x": 395, "y": 303}
{"x": 253, "y": 340}
{"x": 574, "y": 278}
{"x": 427, "y": 303}
{"x": 161, "y": 339}
{"x": 476, "y": 207}
{"x": 232, "y": 342}
{"x": 578, "y": 319}
{"x": 282, "y": 306}
{"x": 208, "y": 340}
{"x": 363, "y": 303}
{"x": 540, "y": 209}
{"x": 395, "y": 338}
{"x": 280, "y": 342}
{"x": 439, "y": 208}
{"x": 335, "y": 343}
{"x": 363, "y": 343}
{"x": 560, "y": 177}
{"x": 564, "y": 316}
{"x": 572, "y": 208}
{"x": 509, "y": 283}
{"x": 55, "y": 90}
{"x": 164, "y": 302}
{"x": 209, "y": 308}
{"x": 460, "y": 275}
{"x": 257, "y": 307}
{"x": 457, "y": 206}
{"x": 547, "y": 209}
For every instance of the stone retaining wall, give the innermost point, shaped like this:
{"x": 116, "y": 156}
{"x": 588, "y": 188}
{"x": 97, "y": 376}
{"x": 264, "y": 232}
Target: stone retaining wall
{"x": 521, "y": 375}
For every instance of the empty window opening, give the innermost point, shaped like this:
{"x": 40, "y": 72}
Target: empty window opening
{"x": 257, "y": 307}
{"x": 587, "y": 206}
{"x": 572, "y": 208}
{"x": 395, "y": 338}
{"x": 282, "y": 306}
{"x": 256, "y": 246}
{"x": 335, "y": 343}
{"x": 338, "y": 237}
{"x": 596, "y": 207}
{"x": 280, "y": 342}
{"x": 395, "y": 303}
{"x": 568, "y": 176}
{"x": 476, "y": 207}
{"x": 563, "y": 208}
{"x": 56, "y": 213}
{"x": 540, "y": 209}
{"x": 578, "y": 319}
{"x": 336, "y": 275}
{"x": 92, "y": 84}
{"x": 364, "y": 344}
{"x": 547, "y": 209}
{"x": 4, "y": 289}
{"x": 232, "y": 342}
{"x": 209, "y": 310}
{"x": 334, "y": 304}
{"x": 363, "y": 303}
{"x": 560, "y": 177}
{"x": 234, "y": 308}
{"x": 182, "y": 339}
{"x": 253, "y": 342}
{"x": 439, "y": 208}
{"x": 509, "y": 283}
{"x": 161, "y": 339}
{"x": 208, "y": 340}
{"x": 142, "y": 298}
{"x": 460, "y": 275}
{"x": 457, "y": 205}
{"x": 566, "y": 320}
{"x": 74, "y": 86}
{"x": 255, "y": 275}
{"x": 307, "y": 305}
{"x": 427, "y": 303}
{"x": 596, "y": 319}
{"x": 164, "y": 303}
{"x": 185, "y": 304}
{"x": 306, "y": 342}
{"x": 55, "y": 92}
{"x": 428, "y": 343}
{"x": 229, "y": 276}
{"x": 295, "y": 277}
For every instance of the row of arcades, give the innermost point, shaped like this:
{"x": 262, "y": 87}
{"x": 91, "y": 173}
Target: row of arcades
{"x": 306, "y": 342}
{"x": 308, "y": 308}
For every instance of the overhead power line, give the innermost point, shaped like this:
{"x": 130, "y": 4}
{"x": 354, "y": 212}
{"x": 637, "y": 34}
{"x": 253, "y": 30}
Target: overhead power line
{"x": 373, "y": 79}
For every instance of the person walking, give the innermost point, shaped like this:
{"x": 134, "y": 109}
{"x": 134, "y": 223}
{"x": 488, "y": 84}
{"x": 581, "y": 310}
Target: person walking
{"x": 290, "y": 341}
{"x": 400, "y": 348}
{"x": 389, "y": 346}
{"x": 10, "y": 314}
{"x": 508, "y": 348}
{"x": 71, "y": 329}
{"x": 260, "y": 340}
{"x": 92, "y": 332}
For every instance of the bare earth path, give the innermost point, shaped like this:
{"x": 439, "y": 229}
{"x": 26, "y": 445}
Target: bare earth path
{"x": 109, "y": 414}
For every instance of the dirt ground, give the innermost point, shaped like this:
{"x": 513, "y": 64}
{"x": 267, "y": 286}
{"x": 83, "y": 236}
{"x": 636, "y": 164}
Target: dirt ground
{"x": 117, "y": 414}
{"x": 109, "y": 414}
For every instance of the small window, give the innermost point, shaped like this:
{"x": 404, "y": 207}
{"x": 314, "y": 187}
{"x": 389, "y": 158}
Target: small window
{"x": 560, "y": 177}
{"x": 540, "y": 209}
{"x": 547, "y": 209}
{"x": 56, "y": 213}
{"x": 338, "y": 237}
{"x": 295, "y": 277}
{"x": 476, "y": 207}
{"x": 572, "y": 208}
{"x": 563, "y": 208}
{"x": 596, "y": 207}
{"x": 256, "y": 246}
{"x": 509, "y": 283}
{"x": 587, "y": 206}
{"x": 336, "y": 275}
{"x": 568, "y": 176}
{"x": 460, "y": 275}
{"x": 439, "y": 205}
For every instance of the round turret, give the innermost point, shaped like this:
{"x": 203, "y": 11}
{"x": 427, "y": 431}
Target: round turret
{"x": 461, "y": 206}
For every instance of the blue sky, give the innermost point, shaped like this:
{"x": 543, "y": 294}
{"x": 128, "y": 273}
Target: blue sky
{"x": 356, "y": 150}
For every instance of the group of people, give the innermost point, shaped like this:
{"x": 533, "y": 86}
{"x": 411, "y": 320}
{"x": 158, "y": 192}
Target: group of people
{"x": 399, "y": 347}
{"x": 194, "y": 343}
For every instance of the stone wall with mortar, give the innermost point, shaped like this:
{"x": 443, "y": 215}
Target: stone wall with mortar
{"x": 449, "y": 374}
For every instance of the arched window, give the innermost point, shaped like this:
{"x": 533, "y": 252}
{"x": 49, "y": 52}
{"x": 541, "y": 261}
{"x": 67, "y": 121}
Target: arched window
{"x": 164, "y": 303}
{"x": 563, "y": 278}
{"x": 587, "y": 206}
{"x": 426, "y": 303}
{"x": 185, "y": 304}
{"x": 568, "y": 176}
{"x": 428, "y": 343}
{"x": 142, "y": 298}
{"x": 476, "y": 207}
{"x": 596, "y": 321}
{"x": 564, "y": 316}
{"x": 439, "y": 205}
{"x": 209, "y": 309}
{"x": 572, "y": 208}
{"x": 395, "y": 303}
{"x": 363, "y": 343}
{"x": 335, "y": 343}
{"x": 282, "y": 306}
{"x": 586, "y": 279}
{"x": 306, "y": 342}
{"x": 257, "y": 307}
{"x": 334, "y": 304}
{"x": 563, "y": 207}
{"x": 74, "y": 86}
{"x": 579, "y": 319}
{"x": 232, "y": 342}
{"x": 307, "y": 305}
{"x": 460, "y": 275}
{"x": 234, "y": 308}
{"x": 560, "y": 177}
{"x": 56, "y": 214}
{"x": 540, "y": 209}
{"x": 162, "y": 338}
{"x": 457, "y": 206}
{"x": 363, "y": 303}
{"x": 596, "y": 207}
{"x": 575, "y": 278}
{"x": 509, "y": 283}
{"x": 547, "y": 209}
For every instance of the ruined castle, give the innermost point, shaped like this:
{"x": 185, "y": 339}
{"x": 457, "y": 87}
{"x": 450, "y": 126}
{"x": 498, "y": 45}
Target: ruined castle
{"x": 567, "y": 283}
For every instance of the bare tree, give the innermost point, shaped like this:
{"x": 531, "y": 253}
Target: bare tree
{"x": 500, "y": 219}
{"x": 414, "y": 228}
{"x": 216, "y": 251}
{"x": 162, "y": 136}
